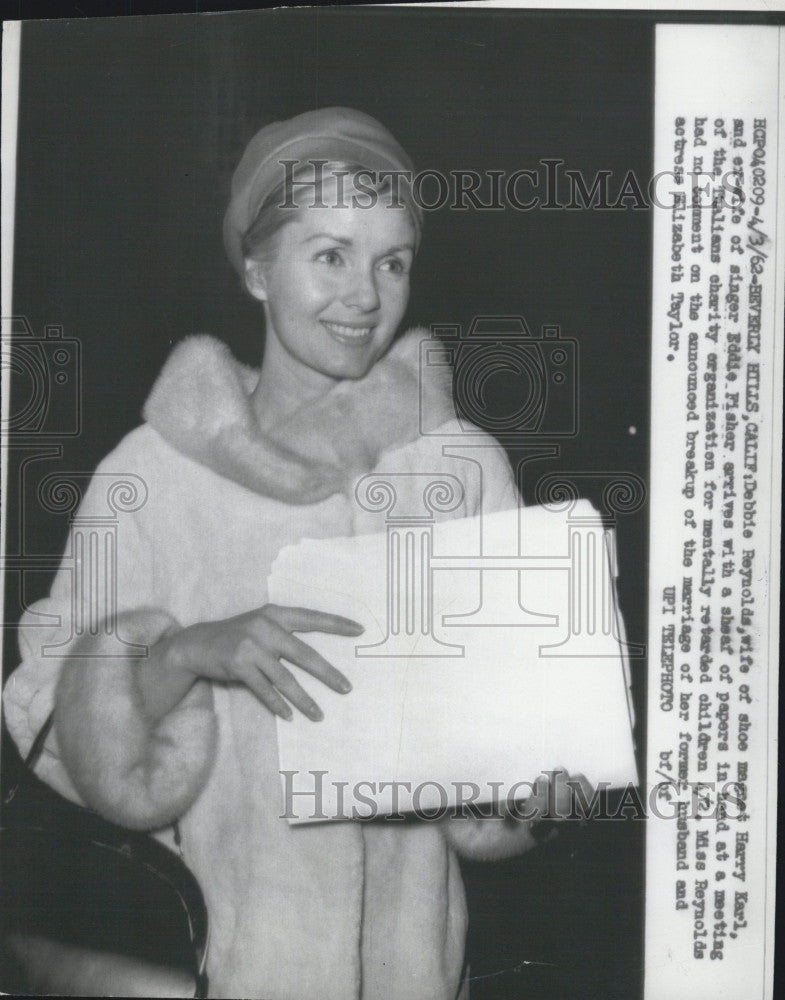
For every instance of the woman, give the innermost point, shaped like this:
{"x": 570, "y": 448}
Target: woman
{"x": 237, "y": 464}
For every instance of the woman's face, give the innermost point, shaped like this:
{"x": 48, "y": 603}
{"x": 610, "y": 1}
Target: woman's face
{"x": 336, "y": 285}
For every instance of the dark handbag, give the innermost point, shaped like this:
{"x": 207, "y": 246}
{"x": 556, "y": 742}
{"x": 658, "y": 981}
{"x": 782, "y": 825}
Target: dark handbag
{"x": 90, "y": 908}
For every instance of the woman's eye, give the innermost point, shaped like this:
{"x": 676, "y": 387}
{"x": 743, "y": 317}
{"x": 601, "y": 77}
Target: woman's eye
{"x": 332, "y": 257}
{"x": 395, "y": 265}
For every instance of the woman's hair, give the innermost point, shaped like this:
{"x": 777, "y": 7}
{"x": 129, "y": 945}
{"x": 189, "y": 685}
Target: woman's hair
{"x": 279, "y": 206}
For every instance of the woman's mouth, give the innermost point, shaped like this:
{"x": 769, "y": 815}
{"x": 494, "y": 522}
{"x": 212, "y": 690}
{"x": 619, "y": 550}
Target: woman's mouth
{"x": 356, "y": 336}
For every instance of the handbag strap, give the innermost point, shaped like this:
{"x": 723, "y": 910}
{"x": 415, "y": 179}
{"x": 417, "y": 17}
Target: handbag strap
{"x": 32, "y": 758}
{"x": 34, "y": 755}
{"x": 36, "y": 749}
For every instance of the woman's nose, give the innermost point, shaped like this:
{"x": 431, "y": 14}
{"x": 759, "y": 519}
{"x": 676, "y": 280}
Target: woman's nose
{"x": 362, "y": 292}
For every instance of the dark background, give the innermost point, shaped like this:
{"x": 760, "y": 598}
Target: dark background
{"x": 128, "y": 133}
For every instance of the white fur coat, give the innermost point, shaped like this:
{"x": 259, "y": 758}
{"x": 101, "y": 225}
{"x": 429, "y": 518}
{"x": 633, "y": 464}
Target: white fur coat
{"x": 200, "y": 405}
{"x": 333, "y": 911}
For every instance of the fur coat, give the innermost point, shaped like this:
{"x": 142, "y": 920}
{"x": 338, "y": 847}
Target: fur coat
{"x": 335, "y": 911}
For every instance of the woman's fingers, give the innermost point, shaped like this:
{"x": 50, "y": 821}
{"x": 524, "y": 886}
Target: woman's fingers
{"x": 566, "y": 792}
{"x": 257, "y": 682}
{"x": 255, "y": 659}
{"x": 581, "y": 781}
{"x": 286, "y": 684}
{"x": 248, "y": 649}
{"x": 272, "y": 683}
{"x": 273, "y": 631}
{"x": 555, "y": 793}
{"x": 302, "y": 655}
{"x": 306, "y": 620}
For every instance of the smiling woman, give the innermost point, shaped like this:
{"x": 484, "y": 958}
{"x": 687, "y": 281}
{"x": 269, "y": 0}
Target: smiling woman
{"x": 238, "y": 463}
{"x": 332, "y": 274}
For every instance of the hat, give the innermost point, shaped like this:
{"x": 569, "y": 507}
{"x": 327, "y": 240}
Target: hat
{"x": 325, "y": 134}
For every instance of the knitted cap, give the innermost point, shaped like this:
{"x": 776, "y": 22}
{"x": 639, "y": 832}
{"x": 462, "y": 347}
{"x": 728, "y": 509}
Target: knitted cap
{"x": 326, "y": 134}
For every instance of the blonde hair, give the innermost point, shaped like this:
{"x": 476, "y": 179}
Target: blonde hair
{"x": 280, "y": 206}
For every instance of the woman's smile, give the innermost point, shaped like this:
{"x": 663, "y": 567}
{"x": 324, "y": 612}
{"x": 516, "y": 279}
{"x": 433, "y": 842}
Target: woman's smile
{"x": 335, "y": 289}
{"x": 348, "y": 333}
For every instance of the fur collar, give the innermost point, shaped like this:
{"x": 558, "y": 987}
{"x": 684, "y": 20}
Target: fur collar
{"x": 200, "y": 405}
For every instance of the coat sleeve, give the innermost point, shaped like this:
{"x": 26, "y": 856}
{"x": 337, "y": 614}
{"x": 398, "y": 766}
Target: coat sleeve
{"x": 80, "y": 648}
{"x": 476, "y": 458}
{"x": 499, "y": 489}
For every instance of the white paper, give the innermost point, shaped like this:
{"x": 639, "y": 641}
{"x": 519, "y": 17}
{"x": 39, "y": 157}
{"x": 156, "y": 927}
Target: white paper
{"x": 502, "y": 702}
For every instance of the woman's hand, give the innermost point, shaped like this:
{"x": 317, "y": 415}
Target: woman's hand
{"x": 555, "y": 797}
{"x": 248, "y": 650}
{"x": 522, "y": 824}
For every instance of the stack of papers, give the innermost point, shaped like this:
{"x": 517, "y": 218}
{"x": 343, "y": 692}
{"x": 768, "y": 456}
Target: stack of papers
{"x": 475, "y": 672}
